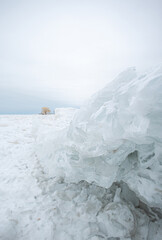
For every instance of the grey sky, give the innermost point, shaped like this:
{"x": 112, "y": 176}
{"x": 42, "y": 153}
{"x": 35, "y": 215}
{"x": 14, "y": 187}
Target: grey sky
{"x": 62, "y": 51}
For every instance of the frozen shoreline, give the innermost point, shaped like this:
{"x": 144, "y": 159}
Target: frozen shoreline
{"x": 88, "y": 174}
{"x": 34, "y": 206}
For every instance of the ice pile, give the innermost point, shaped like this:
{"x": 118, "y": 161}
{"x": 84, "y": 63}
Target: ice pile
{"x": 116, "y": 136}
{"x": 103, "y": 162}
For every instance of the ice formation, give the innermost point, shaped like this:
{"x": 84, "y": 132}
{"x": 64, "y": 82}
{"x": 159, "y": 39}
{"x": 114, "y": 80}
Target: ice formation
{"x": 115, "y": 138}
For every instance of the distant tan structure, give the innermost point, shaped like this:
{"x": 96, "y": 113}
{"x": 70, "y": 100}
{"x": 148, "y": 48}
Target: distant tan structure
{"x": 45, "y": 110}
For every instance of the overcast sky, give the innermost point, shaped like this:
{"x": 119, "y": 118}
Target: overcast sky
{"x": 59, "y": 52}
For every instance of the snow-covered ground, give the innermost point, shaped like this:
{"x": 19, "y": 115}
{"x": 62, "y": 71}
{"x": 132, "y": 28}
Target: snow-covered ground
{"x": 23, "y": 214}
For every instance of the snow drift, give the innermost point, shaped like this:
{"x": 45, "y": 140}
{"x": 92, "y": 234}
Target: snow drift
{"x": 115, "y": 137}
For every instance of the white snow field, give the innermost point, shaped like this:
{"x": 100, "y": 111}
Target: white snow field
{"x": 88, "y": 174}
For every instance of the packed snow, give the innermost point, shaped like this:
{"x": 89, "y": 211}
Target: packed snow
{"x": 86, "y": 174}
